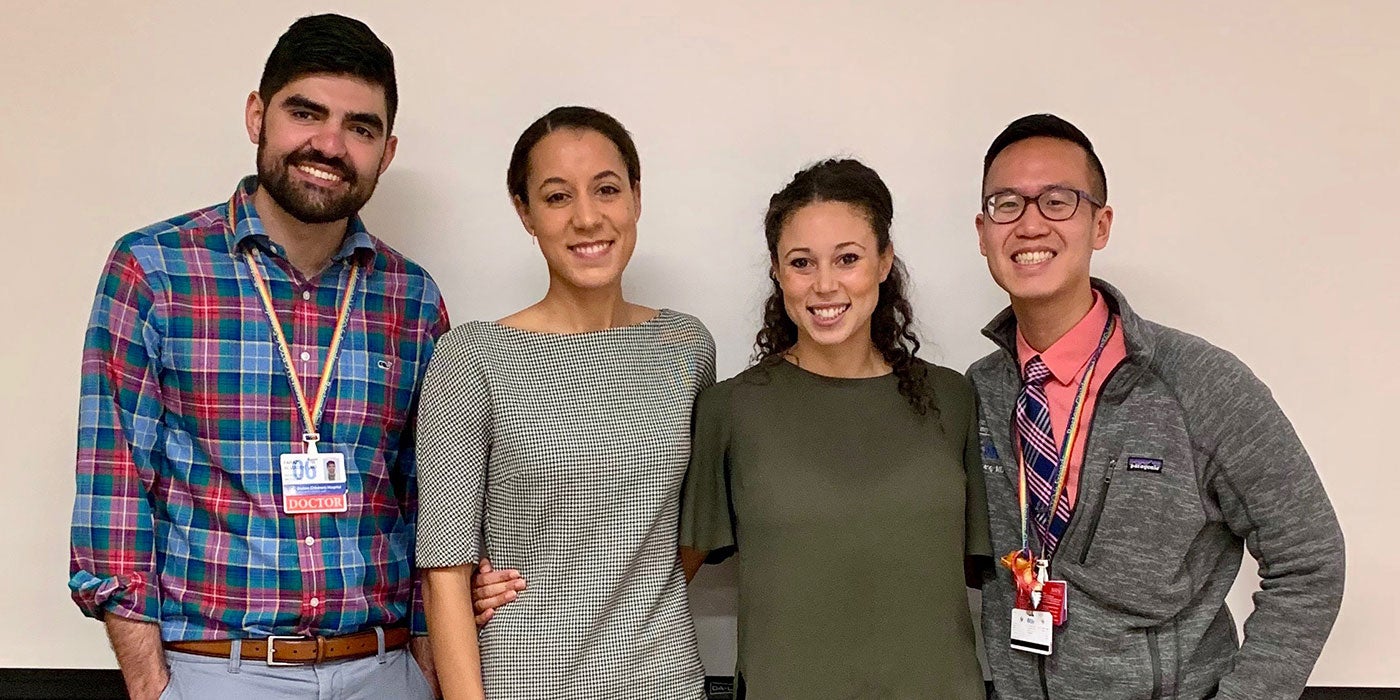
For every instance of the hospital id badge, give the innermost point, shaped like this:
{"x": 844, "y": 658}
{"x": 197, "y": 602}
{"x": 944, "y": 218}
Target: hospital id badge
{"x": 314, "y": 483}
{"x": 1032, "y": 631}
{"x": 1053, "y": 599}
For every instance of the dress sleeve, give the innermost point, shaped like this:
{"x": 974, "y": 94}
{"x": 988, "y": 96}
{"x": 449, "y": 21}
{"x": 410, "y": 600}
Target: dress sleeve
{"x": 704, "y": 358}
{"x": 453, "y": 452}
{"x": 707, "y": 516}
{"x": 978, "y": 538}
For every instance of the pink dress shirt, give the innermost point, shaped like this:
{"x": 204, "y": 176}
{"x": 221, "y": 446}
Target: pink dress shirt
{"x": 1067, "y": 359}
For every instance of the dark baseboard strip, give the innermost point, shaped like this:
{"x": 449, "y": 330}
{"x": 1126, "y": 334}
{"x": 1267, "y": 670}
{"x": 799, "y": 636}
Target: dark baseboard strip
{"x": 53, "y": 683}
{"x": 105, "y": 684}
{"x": 1326, "y": 693}
{"x": 722, "y": 688}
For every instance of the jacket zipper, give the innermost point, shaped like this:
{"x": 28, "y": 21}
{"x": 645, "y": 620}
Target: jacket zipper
{"x": 1015, "y": 449}
{"x": 1098, "y": 511}
{"x": 1088, "y": 436}
{"x": 1044, "y": 685}
{"x": 1108, "y": 477}
{"x": 1156, "y": 663}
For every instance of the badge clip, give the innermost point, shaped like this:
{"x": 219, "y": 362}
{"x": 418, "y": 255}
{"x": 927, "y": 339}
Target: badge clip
{"x": 1042, "y": 574}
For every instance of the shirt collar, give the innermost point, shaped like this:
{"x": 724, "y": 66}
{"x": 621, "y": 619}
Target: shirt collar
{"x": 249, "y": 225}
{"x": 1069, "y": 355}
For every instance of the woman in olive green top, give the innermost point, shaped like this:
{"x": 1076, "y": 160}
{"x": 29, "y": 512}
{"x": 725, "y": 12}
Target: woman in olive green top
{"x": 844, "y": 469}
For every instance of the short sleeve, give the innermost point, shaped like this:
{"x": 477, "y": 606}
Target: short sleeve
{"x": 705, "y": 362}
{"x": 707, "y": 518}
{"x": 978, "y": 538}
{"x": 453, "y": 451}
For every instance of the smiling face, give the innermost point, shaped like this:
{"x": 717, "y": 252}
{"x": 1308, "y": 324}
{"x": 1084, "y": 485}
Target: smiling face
{"x": 1034, "y": 259}
{"x": 582, "y": 208}
{"x": 829, "y": 267}
{"x": 322, "y": 145}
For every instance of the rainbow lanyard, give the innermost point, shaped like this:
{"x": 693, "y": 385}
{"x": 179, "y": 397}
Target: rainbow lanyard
{"x": 1066, "y": 447}
{"x": 310, "y": 414}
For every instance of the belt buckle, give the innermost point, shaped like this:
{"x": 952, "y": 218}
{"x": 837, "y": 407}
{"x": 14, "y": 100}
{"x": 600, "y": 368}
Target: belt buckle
{"x": 271, "y": 641}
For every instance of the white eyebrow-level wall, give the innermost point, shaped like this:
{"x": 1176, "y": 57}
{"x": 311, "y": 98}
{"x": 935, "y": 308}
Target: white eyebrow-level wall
{"x": 1251, "y": 150}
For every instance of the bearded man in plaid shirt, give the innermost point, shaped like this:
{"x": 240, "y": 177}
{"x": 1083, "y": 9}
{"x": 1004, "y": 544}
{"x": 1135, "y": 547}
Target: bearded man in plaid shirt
{"x": 233, "y": 354}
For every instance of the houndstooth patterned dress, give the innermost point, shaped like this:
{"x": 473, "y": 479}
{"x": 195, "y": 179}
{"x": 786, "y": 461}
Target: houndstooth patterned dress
{"x": 562, "y": 455}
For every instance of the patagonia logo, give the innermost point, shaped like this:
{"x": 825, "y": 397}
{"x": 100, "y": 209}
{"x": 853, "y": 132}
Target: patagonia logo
{"x": 1144, "y": 464}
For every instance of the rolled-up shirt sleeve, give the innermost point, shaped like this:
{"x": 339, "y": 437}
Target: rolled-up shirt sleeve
{"x": 408, "y": 462}
{"x": 112, "y": 555}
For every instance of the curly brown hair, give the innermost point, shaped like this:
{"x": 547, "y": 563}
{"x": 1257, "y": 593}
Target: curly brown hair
{"x": 892, "y": 323}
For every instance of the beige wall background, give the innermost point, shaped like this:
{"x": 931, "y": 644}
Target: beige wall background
{"x": 1251, "y": 149}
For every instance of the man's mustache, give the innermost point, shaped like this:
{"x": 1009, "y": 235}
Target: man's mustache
{"x": 322, "y": 161}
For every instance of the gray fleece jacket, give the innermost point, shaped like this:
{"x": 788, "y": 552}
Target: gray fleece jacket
{"x": 1188, "y": 458}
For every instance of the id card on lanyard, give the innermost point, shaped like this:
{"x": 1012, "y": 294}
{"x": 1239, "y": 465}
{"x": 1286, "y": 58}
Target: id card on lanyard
{"x": 312, "y": 481}
{"x": 1042, "y": 603}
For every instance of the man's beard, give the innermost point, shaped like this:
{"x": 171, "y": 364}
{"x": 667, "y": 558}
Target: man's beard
{"x": 307, "y": 203}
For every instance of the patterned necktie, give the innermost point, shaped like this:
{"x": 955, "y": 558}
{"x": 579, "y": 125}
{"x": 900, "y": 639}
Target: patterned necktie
{"x": 1041, "y": 454}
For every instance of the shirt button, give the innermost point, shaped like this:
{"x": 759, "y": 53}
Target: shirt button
{"x": 315, "y": 602}
{"x": 310, "y": 540}
{"x": 306, "y": 295}
{"x": 305, "y": 356}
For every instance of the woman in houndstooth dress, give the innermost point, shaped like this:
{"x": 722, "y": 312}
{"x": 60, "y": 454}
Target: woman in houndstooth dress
{"x": 555, "y": 441}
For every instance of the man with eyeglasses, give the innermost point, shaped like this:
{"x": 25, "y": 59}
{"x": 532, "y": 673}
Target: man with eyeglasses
{"x": 1127, "y": 465}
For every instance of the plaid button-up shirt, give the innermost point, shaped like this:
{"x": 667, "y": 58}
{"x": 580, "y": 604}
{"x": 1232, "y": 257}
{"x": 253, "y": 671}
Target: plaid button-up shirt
{"x": 186, "y": 410}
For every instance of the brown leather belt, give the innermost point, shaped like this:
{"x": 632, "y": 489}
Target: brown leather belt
{"x": 286, "y": 651}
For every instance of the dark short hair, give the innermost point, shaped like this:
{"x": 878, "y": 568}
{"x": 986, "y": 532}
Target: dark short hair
{"x": 1049, "y": 126}
{"x": 572, "y": 117}
{"x": 332, "y": 44}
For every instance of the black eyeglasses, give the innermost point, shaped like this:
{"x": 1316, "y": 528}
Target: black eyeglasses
{"x": 1055, "y": 204}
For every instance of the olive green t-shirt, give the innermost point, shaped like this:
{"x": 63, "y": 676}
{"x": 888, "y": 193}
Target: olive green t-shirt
{"x": 852, "y": 515}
